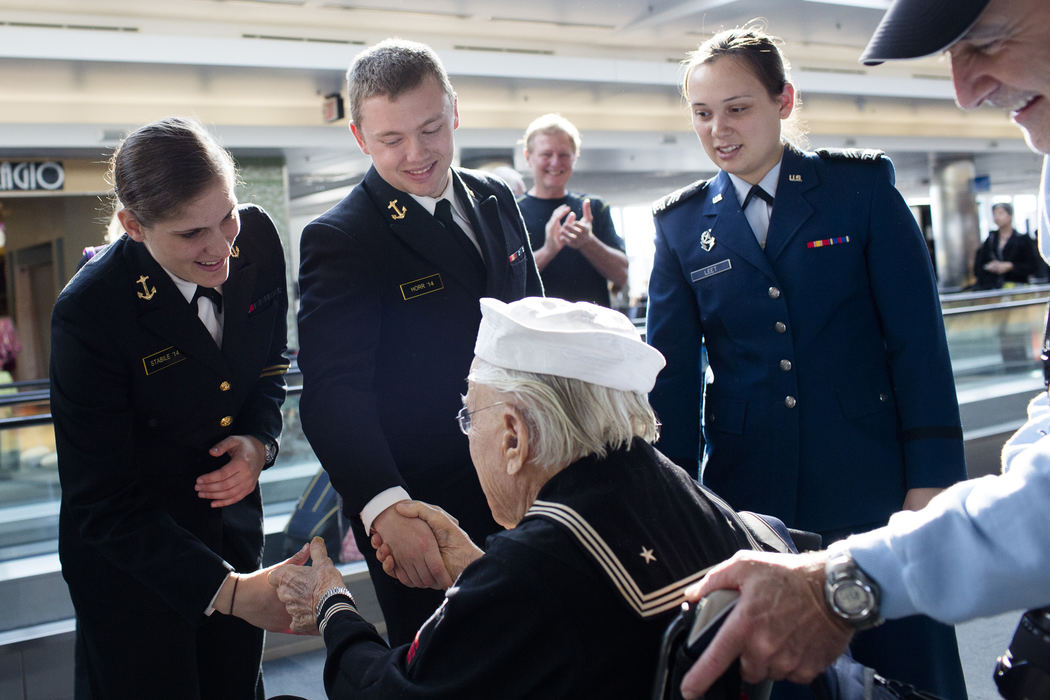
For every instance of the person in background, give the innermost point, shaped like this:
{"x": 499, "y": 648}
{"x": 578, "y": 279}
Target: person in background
{"x": 512, "y": 177}
{"x": 1006, "y": 257}
{"x": 829, "y": 400}
{"x": 572, "y": 599}
{"x": 981, "y": 547}
{"x": 167, "y": 379}
{"x": 390, "y": 280}
{"x": 578, "y": 251}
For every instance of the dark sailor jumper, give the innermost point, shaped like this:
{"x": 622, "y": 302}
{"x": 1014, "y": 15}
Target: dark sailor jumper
{"x": 585, "y": 585}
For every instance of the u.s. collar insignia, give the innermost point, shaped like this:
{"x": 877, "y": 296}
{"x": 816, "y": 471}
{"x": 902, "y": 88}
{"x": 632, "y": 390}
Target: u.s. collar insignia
{"x": 794, "y": 177}
{"x": 235, "y": 252}
{"x": 717, "y": 198}
{"x": 707, "y": 241}
{"x": 398, "y": 213}
{"x": 147, "y": 292}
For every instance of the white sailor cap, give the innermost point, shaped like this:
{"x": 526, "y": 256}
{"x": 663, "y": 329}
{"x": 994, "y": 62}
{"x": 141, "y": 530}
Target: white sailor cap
{"x": 578, "y": 340}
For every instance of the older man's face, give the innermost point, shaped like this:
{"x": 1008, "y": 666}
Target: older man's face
{"x": 1004, "y": 61}
{"x": 488, "y": 434}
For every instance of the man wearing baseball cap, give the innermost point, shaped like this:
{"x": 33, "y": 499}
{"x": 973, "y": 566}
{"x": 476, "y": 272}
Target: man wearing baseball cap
{"x": 981, "y": 547}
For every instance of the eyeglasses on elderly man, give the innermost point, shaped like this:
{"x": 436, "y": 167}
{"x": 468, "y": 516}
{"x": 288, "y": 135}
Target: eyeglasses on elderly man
{"x": 602, "y": 532}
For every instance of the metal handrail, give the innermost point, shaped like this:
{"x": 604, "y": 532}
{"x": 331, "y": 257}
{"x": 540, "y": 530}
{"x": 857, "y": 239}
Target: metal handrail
{"x": 993, "y": 307}
{"x": 295, "y": 386}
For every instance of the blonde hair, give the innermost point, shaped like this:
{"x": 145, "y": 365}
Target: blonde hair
{"x": 549, "y": 124}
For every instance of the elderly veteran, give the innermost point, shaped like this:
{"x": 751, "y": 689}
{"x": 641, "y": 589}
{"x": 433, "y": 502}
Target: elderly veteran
{"x": 603, "y": 532}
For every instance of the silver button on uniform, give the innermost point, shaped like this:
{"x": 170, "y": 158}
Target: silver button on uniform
{"x": 785, "y": 365}
{"x": 780, "y": 327}
{"x": 774, "y": 293}
{"x": 790, "y": 401}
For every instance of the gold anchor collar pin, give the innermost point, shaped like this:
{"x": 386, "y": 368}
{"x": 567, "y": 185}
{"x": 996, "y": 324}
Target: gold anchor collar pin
{"x": 147, "y": 291}
{"x": 398, "y": 212}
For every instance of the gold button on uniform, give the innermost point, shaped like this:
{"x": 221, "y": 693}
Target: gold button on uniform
{"x": 790, "y": 401}
{"x": 785, "y": 365}
{"x": 225, "y": 386}
{"x": 780, "y": 327}
{"x": 225, "y": 421}
{"x": 774, "y": 293}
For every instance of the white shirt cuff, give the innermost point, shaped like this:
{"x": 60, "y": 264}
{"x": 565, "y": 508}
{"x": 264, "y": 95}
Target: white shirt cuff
{"x": 211, "y": 604}
{"x": 380, "y": 502}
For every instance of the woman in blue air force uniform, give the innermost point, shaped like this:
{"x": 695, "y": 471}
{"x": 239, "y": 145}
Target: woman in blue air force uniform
{"x": 829, "y": 401}
{"x": 166, "y": 409}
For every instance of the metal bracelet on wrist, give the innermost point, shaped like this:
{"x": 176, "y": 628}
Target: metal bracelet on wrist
{"x": 337, "y": 590}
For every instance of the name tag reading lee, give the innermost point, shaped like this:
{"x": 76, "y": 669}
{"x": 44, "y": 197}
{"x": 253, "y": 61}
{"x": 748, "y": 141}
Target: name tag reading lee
{"x": 705, "y": 272}
{"x": 162, "y": 360}
{"x": 421, "y": 286}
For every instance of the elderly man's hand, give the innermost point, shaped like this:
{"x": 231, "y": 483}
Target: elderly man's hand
{"x": 457, "y": 549}
{"x": 781, "y": 627}
{"x": 416, "y": 556}
{"x": 299, "y": 588}
{"x": 252, "y": 600}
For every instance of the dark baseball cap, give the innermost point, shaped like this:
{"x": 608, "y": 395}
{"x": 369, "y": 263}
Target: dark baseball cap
{"x": 914, "y": 28}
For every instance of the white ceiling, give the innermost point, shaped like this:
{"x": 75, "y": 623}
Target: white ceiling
{"x": 75, "y": 73}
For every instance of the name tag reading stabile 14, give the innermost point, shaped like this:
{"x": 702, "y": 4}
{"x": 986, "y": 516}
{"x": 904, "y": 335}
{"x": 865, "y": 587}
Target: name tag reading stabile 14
{"x": 162, "y": 359}
{"x": 422, "y": 286}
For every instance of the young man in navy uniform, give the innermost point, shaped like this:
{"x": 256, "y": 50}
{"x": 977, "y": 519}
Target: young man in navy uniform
{"x": 390, "y": 281}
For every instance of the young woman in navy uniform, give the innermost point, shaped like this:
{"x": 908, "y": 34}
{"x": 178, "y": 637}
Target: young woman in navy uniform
{"x": 829, "y": 400}
{"x": 166, "y": 408}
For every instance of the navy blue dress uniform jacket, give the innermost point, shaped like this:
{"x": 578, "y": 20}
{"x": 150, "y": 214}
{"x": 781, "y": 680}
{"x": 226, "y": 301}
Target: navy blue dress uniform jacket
{"x": 387, "y": 326}
{"x": 571, "y": 603}
{"x": 139, "y": 393}
{"x": 830, "y": 391}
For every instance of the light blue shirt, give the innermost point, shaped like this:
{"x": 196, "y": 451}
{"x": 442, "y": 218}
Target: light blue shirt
{"x": 981, "y": 547}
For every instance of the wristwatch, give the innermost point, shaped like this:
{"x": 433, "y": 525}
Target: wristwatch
{"x": 849, "y": 593}
{"x": 271, "y": 450}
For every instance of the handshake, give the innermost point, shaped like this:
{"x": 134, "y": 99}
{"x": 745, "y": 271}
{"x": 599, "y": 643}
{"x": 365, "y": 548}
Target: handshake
{"x": 423, "y": 547}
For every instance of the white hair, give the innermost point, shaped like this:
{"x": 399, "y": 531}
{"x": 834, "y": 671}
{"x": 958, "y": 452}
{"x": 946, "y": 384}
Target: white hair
{"x": 568, "y": 419}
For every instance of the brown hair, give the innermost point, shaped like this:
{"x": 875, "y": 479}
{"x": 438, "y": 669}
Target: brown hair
{"x": 161, "y": 166}
{"x": 759, "y": 53}
{"x": 392, "y": 67}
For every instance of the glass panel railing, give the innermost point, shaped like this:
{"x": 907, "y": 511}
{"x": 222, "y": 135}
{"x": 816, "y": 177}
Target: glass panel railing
{"x": 29, "y": 486}
{"x": 995, "y": 337}
{"x": 994, "y": 340}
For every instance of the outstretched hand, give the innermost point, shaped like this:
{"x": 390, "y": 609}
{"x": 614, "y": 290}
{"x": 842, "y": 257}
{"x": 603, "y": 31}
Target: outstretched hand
{"x": 299, "y": 588}
{"x": 416, "y": 558}
{"x": 455, "y": 546}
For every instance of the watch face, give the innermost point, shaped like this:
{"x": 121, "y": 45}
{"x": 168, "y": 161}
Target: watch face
{"x": 852, "y": 598}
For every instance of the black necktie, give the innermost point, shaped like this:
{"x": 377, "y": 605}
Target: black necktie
{"x": 208, "y": 293}
{"x": 443, "y": 213}
{"x": 757, "y": 191}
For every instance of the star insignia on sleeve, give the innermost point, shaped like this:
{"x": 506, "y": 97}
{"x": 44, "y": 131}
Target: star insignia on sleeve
{"x": 648, "y": 555}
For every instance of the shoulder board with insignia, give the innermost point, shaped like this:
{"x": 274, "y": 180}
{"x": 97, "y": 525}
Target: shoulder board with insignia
{"x": 678, "y": 196}
{"x": 872, "y": 154}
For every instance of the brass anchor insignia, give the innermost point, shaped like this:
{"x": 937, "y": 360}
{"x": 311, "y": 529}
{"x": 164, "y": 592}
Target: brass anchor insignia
{"x": 398, "y": 213}
{"x": 235, "y": 252}
{"x": 147, "y": 292}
